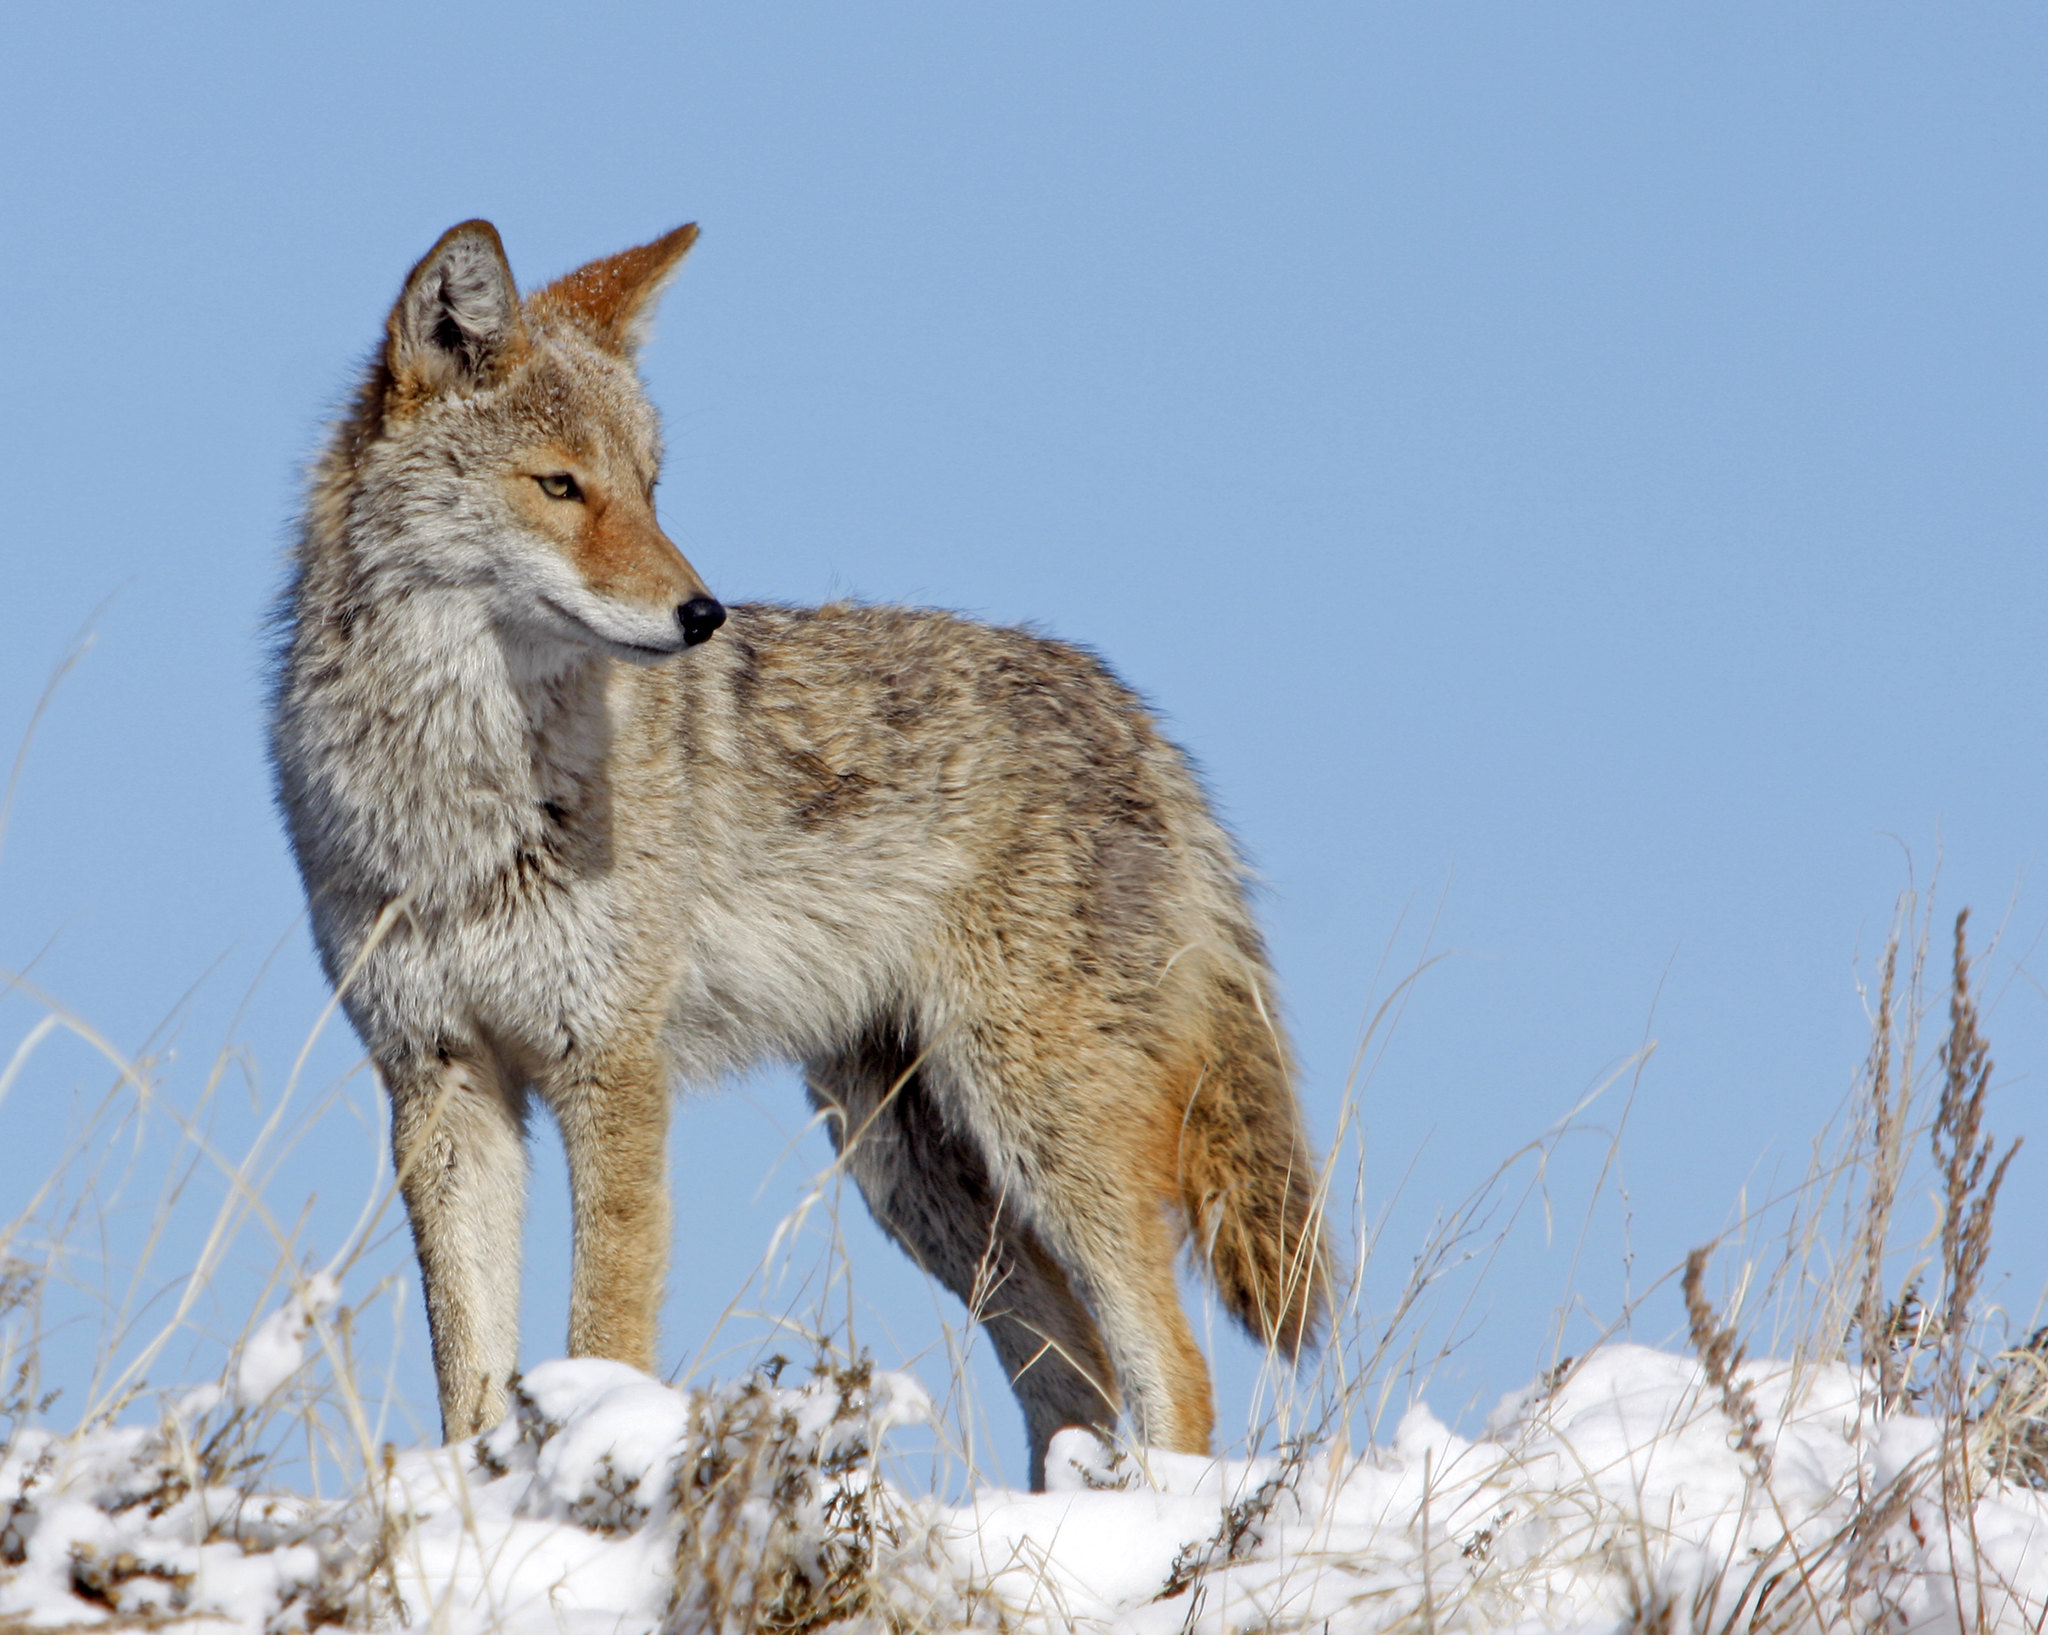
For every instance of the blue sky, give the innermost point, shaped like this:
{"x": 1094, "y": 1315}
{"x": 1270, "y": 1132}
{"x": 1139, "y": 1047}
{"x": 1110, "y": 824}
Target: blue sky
{"x": 1571, "y": 475}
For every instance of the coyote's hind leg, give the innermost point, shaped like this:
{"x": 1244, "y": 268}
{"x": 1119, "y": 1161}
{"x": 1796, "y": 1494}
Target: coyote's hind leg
{"x": 928, "y": 1187}
{"x": 1087, "y": 1132}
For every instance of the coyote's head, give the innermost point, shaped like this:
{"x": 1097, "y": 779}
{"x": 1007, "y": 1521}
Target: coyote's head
{"x": 505, "y": 448}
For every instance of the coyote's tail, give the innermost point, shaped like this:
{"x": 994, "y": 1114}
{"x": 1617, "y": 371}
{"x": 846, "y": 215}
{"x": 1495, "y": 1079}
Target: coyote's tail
{"x": 1248, "y": 1176}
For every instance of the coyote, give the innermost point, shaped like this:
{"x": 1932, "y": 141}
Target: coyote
{"x": 571, "y": 828}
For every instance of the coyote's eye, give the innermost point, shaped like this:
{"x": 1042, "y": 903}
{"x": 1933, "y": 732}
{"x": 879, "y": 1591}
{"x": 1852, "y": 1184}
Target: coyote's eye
{"x": 560, "y": 486}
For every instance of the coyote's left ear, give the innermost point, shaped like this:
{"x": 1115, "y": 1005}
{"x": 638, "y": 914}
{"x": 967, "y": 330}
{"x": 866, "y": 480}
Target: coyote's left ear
{"x": 613, "y": 300}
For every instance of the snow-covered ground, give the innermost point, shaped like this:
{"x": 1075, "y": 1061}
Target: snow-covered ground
{"x": 1611, "y": 1498}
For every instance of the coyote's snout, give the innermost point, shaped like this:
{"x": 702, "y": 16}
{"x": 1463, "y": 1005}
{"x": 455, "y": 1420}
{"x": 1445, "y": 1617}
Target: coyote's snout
{"x": 951, "y": 870}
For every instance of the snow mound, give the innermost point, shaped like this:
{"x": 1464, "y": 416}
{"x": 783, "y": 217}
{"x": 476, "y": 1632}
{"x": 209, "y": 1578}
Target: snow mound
{"x": 1613, "y": 1497}
{"x": 277, "y": 1350}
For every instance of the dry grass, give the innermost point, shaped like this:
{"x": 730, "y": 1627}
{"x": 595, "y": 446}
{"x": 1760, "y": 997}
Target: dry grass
{"x": 1921, "y": 1345}
{"x": 1963, "y": 1150}
{"x": 812, "y": 1559}
{"x": 202, "y": 1455}
{"x": 1720, "y": 1355}
{"x": 1919, "y": 1349}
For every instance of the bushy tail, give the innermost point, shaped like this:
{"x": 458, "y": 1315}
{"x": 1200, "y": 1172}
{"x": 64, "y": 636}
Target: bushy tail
{"x": 1249, "y": 1179}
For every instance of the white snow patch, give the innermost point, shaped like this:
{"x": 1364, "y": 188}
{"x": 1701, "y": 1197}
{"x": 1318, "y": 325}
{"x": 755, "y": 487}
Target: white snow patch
{"x": 1611, "y": 1499}
{"x": 277, "y": 1349}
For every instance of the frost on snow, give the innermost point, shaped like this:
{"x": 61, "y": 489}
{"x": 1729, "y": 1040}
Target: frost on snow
{"x": 1612, "y": 1498}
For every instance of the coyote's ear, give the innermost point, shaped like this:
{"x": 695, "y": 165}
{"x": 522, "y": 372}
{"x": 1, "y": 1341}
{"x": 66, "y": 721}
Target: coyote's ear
{"x": 612, "y": 300}
{"x": 457, "y": 322}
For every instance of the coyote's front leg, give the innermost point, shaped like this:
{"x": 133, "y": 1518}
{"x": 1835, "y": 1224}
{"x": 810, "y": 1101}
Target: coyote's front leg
{"x": 614, "y": 1118}
{"x": 458, "y": 1139}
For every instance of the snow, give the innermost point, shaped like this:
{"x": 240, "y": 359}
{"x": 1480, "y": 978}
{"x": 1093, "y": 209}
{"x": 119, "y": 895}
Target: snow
{"x": 277, "y": 1350}
{"x": 1614, "y": 1497}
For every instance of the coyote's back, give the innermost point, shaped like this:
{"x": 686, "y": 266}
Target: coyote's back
{"x": 569, "y": 827}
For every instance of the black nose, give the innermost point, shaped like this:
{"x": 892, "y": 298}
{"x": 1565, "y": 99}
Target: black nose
{"x": 699, "y": 616}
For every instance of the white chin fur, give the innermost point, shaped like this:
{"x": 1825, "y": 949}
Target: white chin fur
{"x": 542, "y": 594}
{"x": 628, "y": 633}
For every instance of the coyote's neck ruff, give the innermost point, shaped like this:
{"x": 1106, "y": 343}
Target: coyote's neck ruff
{"x": 434, "y": 743}
{"x": 570, "y": 831}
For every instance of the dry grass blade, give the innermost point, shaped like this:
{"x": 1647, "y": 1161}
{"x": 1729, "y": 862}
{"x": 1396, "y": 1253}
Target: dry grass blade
{"x": 1887, "y": 1140}
{"x": 1720, "y": 1355}
{"x": 2012, "y": 1430}
{"x": 1965, "y": 1152}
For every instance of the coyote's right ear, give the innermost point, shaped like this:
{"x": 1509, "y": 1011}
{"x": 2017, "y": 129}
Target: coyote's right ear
{"x": 456, "y": 324}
